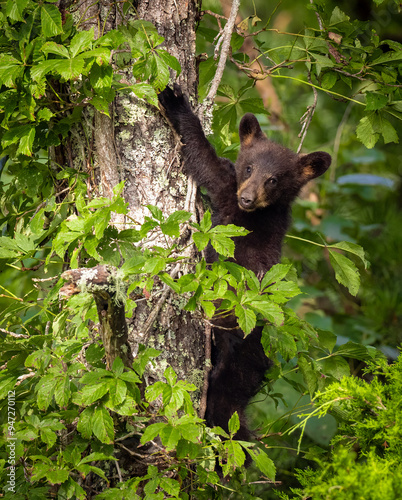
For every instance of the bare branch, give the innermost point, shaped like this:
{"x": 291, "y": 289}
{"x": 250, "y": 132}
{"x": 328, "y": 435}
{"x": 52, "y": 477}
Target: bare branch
{"x": 207, "y": 369}
{"x": 305, "y": 120}
{"x": 16, "y": 335}
{"x": 226, "y": 37}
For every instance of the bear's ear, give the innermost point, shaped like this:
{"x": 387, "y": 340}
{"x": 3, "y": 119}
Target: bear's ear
{"x": 249, "y": 129}
{"x": 313, "y": 165}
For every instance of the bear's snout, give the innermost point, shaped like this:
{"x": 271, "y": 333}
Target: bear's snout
{"x": 246, "y": 202}
{"x": 251, "y": 197}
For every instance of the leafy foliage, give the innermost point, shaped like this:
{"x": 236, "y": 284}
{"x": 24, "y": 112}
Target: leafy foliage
{"x": 41, "y": 56}
{"x": 50, "y": 71}
{"x": 367, "y": 414}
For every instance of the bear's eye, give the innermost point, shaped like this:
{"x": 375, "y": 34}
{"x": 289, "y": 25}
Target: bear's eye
{"x": 273, "y": 181}
{"x": 248, "y": 170}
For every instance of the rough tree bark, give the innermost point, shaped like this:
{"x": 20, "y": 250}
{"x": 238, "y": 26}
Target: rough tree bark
{"x": 136, "y": 145}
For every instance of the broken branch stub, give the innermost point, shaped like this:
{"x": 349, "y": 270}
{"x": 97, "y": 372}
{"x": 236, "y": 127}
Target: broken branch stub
{"x": 109, "y": 294}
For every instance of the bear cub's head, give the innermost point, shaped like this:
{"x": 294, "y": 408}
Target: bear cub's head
{"x": 268, "y": 173}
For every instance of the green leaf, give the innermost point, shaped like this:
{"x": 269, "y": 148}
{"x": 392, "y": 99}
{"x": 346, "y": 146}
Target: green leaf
{"x": 208, "y": 307}
{"x": 95, "y": 457}
{"x": 152, "y": 431}
{"x": 269, "y": 309}
{"x": 69, "y": 69}
{"x": 62, "y": 391}
{"x": 118, "y": 366}
{"x": 24, "y": 135}
{"x": 48, "y": 436}
{"x": 15, "y": 9}
{"x": 353, "y": 248}
{"x": 44, "y": 114}
{"x": 160, "y": 72}
{"x": 235, "y": 456}
{"x": 171, "y": 226}
{"x": 143, "y": 357}
{"x": 371, "y": 126}
{"x": 92, "y": 393}
{"x": 170, "y": 60}
{"x": 102, "y": 425}
{"x": 84, "y": 425}
{"x": 223, "y": 245}
{"x": 365, "y": 131}
{"x": 170, "y": 376}
{"x": 86, "y": 469}
{"x": 45, "y": 390}
{"x": 346, "y": 272}
{"x": 170, "y": 436}
{"x": 234, "y": 423}
{"x": 309, "y": 374}
{"x": 156, "y": 212}
{"x": 171, "y": 486}
{"x": 264, "y": 463}
{"x": 388, "y": 57}
{"x": 375, "y": 100}
{"x": 81, "y": 41}
{"x": 145, "y": 91}
{"x": 276, "y": 273}
{"x": 101, "y": 76}
{"x": 388, "y": 132}
{"x": 117, "y": 391}
{"x": 201, "y": 240}
{"x": 51, "y": 20}
{"x": 10, "y": 69}
{"x": 336, "y": 366}
{"x": 252, "y": 105}
{"x": 57, "y": 476}
{"x": 354, "y": 350}
{"x": 246, "y": 318}
{"x": 55, "y": 48}
{"x": 338, "y": 16}
{"x": 206, "y": 222}
{"x": 280, "y": 340}
{"x": 329, "y": 79}
{"x": 327, "y": 339}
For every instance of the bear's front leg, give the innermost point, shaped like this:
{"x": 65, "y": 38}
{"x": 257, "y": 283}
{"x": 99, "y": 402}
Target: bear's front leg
{"x": 216, "y": 174}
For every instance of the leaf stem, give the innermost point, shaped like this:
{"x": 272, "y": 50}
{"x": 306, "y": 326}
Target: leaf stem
{"x": 306, "y": 241}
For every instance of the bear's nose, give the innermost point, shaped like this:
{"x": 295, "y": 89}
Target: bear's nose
{"x": 246, "y": 201}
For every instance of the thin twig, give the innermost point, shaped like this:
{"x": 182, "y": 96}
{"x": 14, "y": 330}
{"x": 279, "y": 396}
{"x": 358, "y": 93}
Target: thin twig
{"x": 21, "y": 378}
{"x": 16, "y": 335}
{"x": 119, "y": 471}
{"x": 307, "y": 117}
{"x": 130, "y": 434}
{"x": 130, "y": 452}
{"x": 208, "y": 367}
{"x": 320, "y": 24}
{"x": 226, "y": 37}
{"x": 220, "y": 327}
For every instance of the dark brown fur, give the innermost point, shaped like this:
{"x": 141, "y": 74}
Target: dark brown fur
{"x": 255, "y": 193}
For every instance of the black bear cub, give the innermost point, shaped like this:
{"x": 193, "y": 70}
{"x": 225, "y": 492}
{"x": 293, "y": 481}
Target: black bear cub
{"x": 255, "y": 193}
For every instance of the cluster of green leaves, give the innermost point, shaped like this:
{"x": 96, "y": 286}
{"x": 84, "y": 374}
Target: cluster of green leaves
{"x": 55, "y": 393}
{"x": 368, "y": 415}
{"x": 49, "y": 72}
{"x": 353, "y": 53}
{"x": 347, "y": 60}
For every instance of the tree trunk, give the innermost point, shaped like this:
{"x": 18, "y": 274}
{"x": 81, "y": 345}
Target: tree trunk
{"x": 136, "y": 145}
